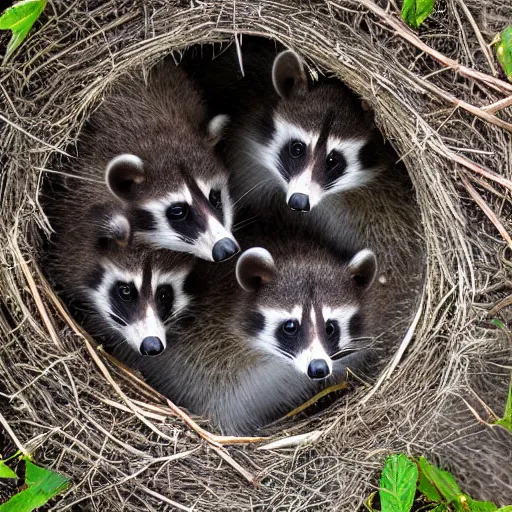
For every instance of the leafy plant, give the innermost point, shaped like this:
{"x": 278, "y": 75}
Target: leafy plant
{"x": 415, "y": 12}
{"x": 506, "y": 421}
{"x": 41, "y": 485}
{"x": 504, "y": 51}
{"x": 398, "y": 483}
{"x": 19, "y": 19}
{"x": 403, "y": 477}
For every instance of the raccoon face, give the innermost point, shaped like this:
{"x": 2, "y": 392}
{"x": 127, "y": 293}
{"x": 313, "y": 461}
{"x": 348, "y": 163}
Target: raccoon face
{"x": 195, "y": 217}
{"x": 309, "y": 166}
{"x": 137, "y": 304}
{"x": 306, "y": 153}
{"x": 132, "y": 294}
{"x": 316, "y": 331}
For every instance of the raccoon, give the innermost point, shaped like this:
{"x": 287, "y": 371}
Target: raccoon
{"x": 297, "y": 146}
{"x": 149, "y": 148}
{"x": 121, "y": 294}
{"x": 267, "y": 333}
{"x": 287, "y": 136}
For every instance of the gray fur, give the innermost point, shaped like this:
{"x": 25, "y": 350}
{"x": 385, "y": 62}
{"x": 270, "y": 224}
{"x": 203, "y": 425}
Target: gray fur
{"x": 160, "y": 124}
{"x": 214, "y": 367}
{"x": 88, "y": 248}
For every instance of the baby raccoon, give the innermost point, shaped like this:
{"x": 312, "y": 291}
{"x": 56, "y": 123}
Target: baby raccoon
{"x": 265, "y": 336}
{"x": 316, "y": 141}
{"x": 150, "y": 141}
{"x": 288, "y": 140}
{"x": 291, "y": 144}
{"x": 122, "y": 294}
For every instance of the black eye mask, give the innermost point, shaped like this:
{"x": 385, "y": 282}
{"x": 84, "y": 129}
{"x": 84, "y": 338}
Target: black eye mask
{"x": 124, "y": 303}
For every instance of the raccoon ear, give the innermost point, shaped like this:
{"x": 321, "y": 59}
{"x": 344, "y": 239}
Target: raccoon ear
{"x": 288, "y": 74}
{"x": 216, "y": 128}
{"x": 363, "y": 268}
{"x": 254, "y": 268}
{"x": 112, "y": 227}
{"x": 123, "y": 174}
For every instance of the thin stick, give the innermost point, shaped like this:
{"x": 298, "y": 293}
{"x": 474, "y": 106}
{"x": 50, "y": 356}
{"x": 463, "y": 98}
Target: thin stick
{"x": 505, "y": 303}
{"x": 478, "y": 112}
{"x": 35, "y": 292}
{"x": 481, "y": 41}
{"x": 12, "y": 435}
{"x": 479, "y": 200}
{"x": 213, "y": 439}
{"x": 469, "y": 164}
{"x": 223, "y": 454}
{"x": 311, "y": 401}
{"x": 33, "y": 137}
{"x": 498, "y": 105}
{"x": 403, "y": 31}
{"x": 399, "y": 353}
{"x": 163, "y": 498}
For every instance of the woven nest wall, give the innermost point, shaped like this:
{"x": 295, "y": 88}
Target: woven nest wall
{"x": 80, "y": 414}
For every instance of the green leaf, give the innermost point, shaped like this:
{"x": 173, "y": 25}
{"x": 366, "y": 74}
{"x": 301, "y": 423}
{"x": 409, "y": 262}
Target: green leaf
{"x": 43, "y": 485}
{"x": 479, "y": 506}
{"x": 506, "y": 421}
{"x": 504, "y": 51}
{"x": 507, "y": 508}
{"x": 19, "y": 18}
{"x": 415, "y": 12}
{"x": 427, "y": 488}
{"x": 443, "y": 481}
{"x": 398, "y": 484}
{"x": 499, "y": 324}
{"x": 6, "y": 471}
{"x": 440, "y": 508}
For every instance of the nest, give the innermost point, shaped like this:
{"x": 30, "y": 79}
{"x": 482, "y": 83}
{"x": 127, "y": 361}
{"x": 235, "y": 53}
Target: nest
{"x": 440, "y": 101}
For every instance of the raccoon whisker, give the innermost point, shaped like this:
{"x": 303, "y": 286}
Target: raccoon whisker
{"x": 346, "y": 352}
{"x": 362, "y": 338}
{"x": 186, "y": 239}
{"x": 122, "y": 322}
{"x": 171, "y": 319}
{"x": 284, "y": 353}
{"x": 245, "y": 223}
{"x": 252, "y": 189}
{"x": 115, "y": 312}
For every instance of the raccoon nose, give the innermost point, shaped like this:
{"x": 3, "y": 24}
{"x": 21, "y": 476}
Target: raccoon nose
{"x": 151, "y": 346}
{"x": 318, "y": 369}
{"x": 299, "y": 202}
{"x": 224, "y": 249}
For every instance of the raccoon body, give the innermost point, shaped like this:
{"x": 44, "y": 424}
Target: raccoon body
{"x": 263, "y": 335}
{"x": 309, "y": 153}
{"x": 148, "y": 149}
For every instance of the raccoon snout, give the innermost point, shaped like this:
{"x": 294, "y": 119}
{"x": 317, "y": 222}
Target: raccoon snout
{"x": 299, "y": 202}
{"x": 151, "y": 346}
{"x": 224, "y": 249}
{"x": 318, "y": 369}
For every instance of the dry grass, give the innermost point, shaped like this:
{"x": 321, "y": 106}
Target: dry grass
{"x": 438, "y": 98}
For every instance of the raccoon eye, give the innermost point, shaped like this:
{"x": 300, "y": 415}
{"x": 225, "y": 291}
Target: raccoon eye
{"x": 330, "y": 328}
{"x": 296, "y": 148}
{"x": 215, "y": 198}
{"x": 177, "y": 211}
{"x": 164, "y": 300}
{"x": 127, "y": 291}
{"x": 290, "y": 327}
{"x": 335, "y": 162}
